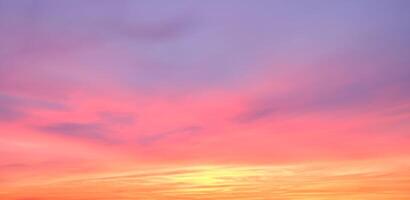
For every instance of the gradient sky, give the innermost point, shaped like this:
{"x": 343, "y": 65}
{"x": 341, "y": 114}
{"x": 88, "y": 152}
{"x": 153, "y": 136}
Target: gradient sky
{"x": 206, "y": 100}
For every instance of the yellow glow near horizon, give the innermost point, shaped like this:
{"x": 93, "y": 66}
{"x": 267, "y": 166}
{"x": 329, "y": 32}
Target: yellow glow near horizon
{"x": 344, "y": 180}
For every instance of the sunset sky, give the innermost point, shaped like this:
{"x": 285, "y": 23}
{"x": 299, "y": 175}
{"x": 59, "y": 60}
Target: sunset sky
{"x": 205, "y": 100}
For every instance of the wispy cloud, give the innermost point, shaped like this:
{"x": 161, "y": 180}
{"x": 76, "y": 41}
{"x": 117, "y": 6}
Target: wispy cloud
{"x": 117, "y": 117}
{"x": 16, "y": 107}
{"x": 73, "y": 129}
{"x": 184, "y": 131}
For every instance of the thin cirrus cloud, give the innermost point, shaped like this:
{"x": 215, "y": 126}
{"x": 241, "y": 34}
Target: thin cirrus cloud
{"x": 86, "y": 130}
{"x": 189, "y": 130}
{"x": 14, "y": 107}
{"x": 185, "y": 99}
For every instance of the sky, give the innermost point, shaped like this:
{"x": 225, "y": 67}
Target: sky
{"x": 204, "y": 100}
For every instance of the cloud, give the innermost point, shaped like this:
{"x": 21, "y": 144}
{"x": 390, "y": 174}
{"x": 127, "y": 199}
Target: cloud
{"x": 156, "y": 32}
{"x": 16, "y": 107}
{"x": 74, "y": 129}
{"x": 9, "y": 114}
{"x": 13, "y": 166}
{"x": 185, "y": 131}
{"x": 20, "y": 101}
{"x": 324, "y": 90}
{"x": 256, "y": 113}
{"x": 117, "y": 117}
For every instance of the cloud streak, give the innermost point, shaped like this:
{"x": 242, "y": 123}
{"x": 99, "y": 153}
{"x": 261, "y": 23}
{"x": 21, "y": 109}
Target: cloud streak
{"x": 75, "y": 129}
